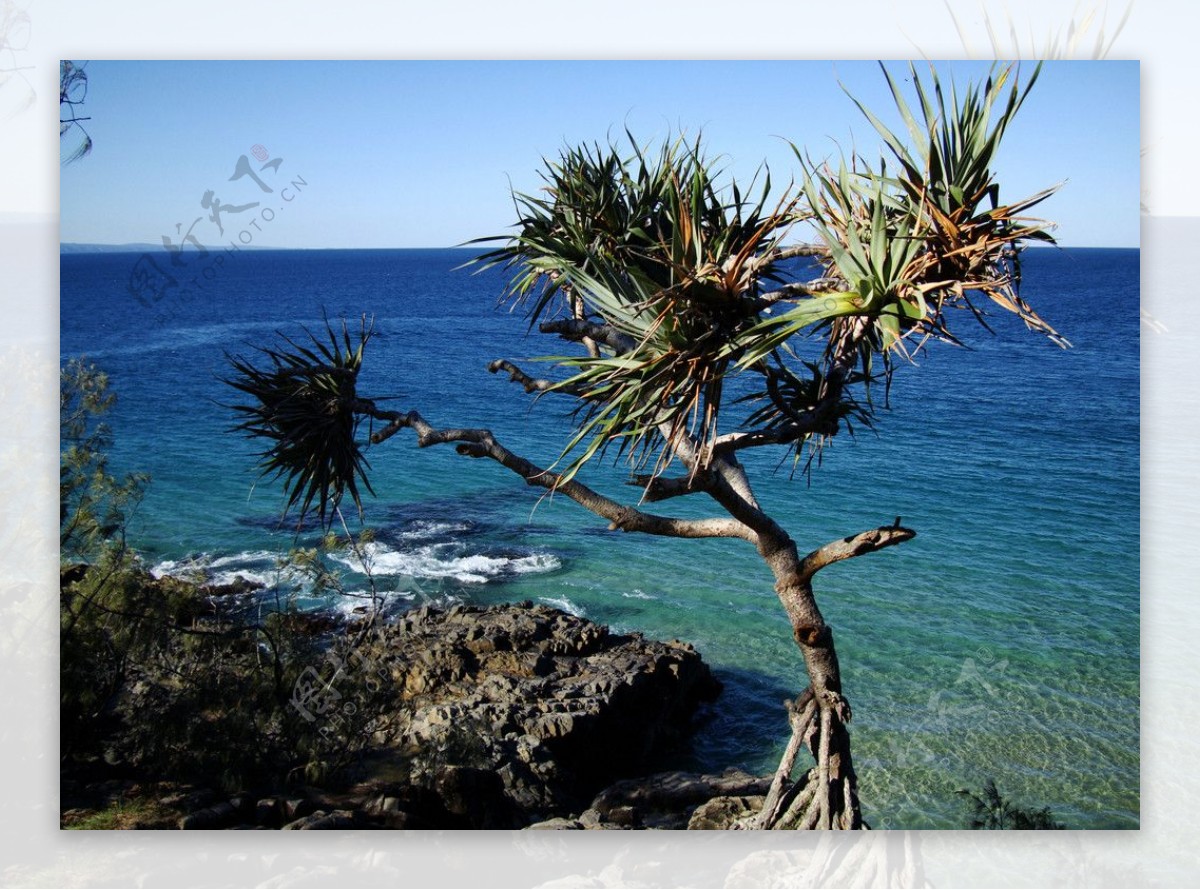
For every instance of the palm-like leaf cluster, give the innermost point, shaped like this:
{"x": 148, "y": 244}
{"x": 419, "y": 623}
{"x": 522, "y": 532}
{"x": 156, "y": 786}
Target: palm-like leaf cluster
{"x": 303, "y": 403}
{"x": 919, "y": 242}
{"x": 652, "y": 247}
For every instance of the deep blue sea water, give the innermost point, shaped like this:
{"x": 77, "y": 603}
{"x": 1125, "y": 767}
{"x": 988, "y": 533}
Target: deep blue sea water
{"x": 1002, "y": 643}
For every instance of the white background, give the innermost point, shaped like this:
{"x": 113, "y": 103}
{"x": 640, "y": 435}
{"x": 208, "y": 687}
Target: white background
{"x": 32, "y": 850}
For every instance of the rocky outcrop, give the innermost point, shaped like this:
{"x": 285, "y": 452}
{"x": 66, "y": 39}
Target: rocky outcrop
{"x": 671, "y": 800}
{"x": 472, "y": 717}
{"x": 517, "y": 713}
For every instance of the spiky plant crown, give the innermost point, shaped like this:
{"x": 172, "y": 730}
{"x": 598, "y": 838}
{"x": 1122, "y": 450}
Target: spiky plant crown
{"x": 302, "y": 402}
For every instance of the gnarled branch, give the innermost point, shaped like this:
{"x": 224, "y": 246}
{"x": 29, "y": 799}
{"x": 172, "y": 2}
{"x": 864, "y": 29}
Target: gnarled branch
{"x": 531, "y": 384}
{"x": 660, "y": 488}
{"x": 855, "y": 545}
{"x": 801, "y": 289}
{"x": 578, "y": 330}
{"x": 481, "y": 443}
{"x": 786, "y": 253}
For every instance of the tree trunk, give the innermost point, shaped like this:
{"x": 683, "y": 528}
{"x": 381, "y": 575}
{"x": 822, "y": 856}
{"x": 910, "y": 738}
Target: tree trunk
{"x": 826, "y": 795}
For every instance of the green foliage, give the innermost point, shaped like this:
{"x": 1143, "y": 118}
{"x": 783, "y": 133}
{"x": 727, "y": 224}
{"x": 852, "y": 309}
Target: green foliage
{"x": 951, "y": 200}
{"x": 152, "y": 680}
{"x": 658, "y": 249}
{"x": 106, "y": 618}
{"x": 786, "y": 394}
{"x": 658, "y": 221}
{"x": 654, "y": 248}
{"x": 109, "y": 620}
{"x": 919, "y": 242}
{"x": 125, "y": 812}
{"x": 211, "y": 703}
{"x": 991, "y": 812}
{"x": 94, "y": 507}
{"x": 303, "y": 405}
{"x": 150, "y": 675}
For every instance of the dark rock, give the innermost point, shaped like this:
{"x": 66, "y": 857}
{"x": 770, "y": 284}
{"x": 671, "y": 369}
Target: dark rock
{"x": 670, "y": 800}
{"x": 591, "y": 818}
{"x": 268, "y": 812}
{"x": 221, "y": 815}
{"x": 296, "y": 808}
{"x": 243, "y": 805}
{"x": 239, "y": 586}
{"x": 625, "y": 817}
{"x": 337, "y": 820}
{"x": 721, "y": 813}
{"x": 478, "y": 796}
{"x": 305, "y": 821}
{"x": 556, "y": 824}
{"x": 408, "y": 805}
{"x": 488, "y": 717}
{"x": 545, "y": 707}
{"x": 312, "y": 624}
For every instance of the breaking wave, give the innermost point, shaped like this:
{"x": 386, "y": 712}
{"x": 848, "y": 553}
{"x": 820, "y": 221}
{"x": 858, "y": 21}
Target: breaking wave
{"x": 561, "y": 602}
{"x": 258, "y": 566}
{"x": 436, "y": 561}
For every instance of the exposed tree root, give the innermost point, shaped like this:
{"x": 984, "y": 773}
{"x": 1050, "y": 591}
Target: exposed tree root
{"x": 825, "y": 796}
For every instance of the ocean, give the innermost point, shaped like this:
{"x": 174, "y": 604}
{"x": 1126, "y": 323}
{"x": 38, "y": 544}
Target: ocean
{"x": 1002, "y": 643}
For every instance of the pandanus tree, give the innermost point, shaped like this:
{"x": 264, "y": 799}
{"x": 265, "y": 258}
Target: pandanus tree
{"x": 705, "y": 330}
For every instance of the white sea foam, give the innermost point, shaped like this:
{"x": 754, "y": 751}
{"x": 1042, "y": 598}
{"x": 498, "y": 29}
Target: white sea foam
{"x": 389, "y": 601}
{"x": 426, "y": 529}
{"x": 248, "y": 557}
{"x": 445, "y": 561}
{"x": 561, "y": 602}
{"x": 219, "y": 579}
{"x": 258, "y": 566}
{"x": 636, "y": 594}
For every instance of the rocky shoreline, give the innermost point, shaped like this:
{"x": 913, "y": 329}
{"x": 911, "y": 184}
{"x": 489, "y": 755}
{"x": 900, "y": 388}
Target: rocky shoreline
{"x": 505, "y": 717}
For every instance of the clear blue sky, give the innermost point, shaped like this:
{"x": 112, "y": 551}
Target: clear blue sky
{"x": 422, "y": 154}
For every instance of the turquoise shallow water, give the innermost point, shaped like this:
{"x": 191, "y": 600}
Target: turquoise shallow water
{"x": 1001, "y": 643}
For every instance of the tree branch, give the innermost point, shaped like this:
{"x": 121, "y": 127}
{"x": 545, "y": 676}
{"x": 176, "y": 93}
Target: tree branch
{"x": 660, "y": 488}
{"x": 481, "y": 443}
{"x": 579, "y": 311}
{"x": 731, "y": 442}
{"x": 531, "y": 384}
{"x": 787, "y": 253}
{"x": 579, "y": 330}
{"x": 856, "y": 545}
{"x": 729, "y": 486}
{"x": 806, "y": 423}
{"x": 796, "y": 250}
{"x": 801, "y": 289}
